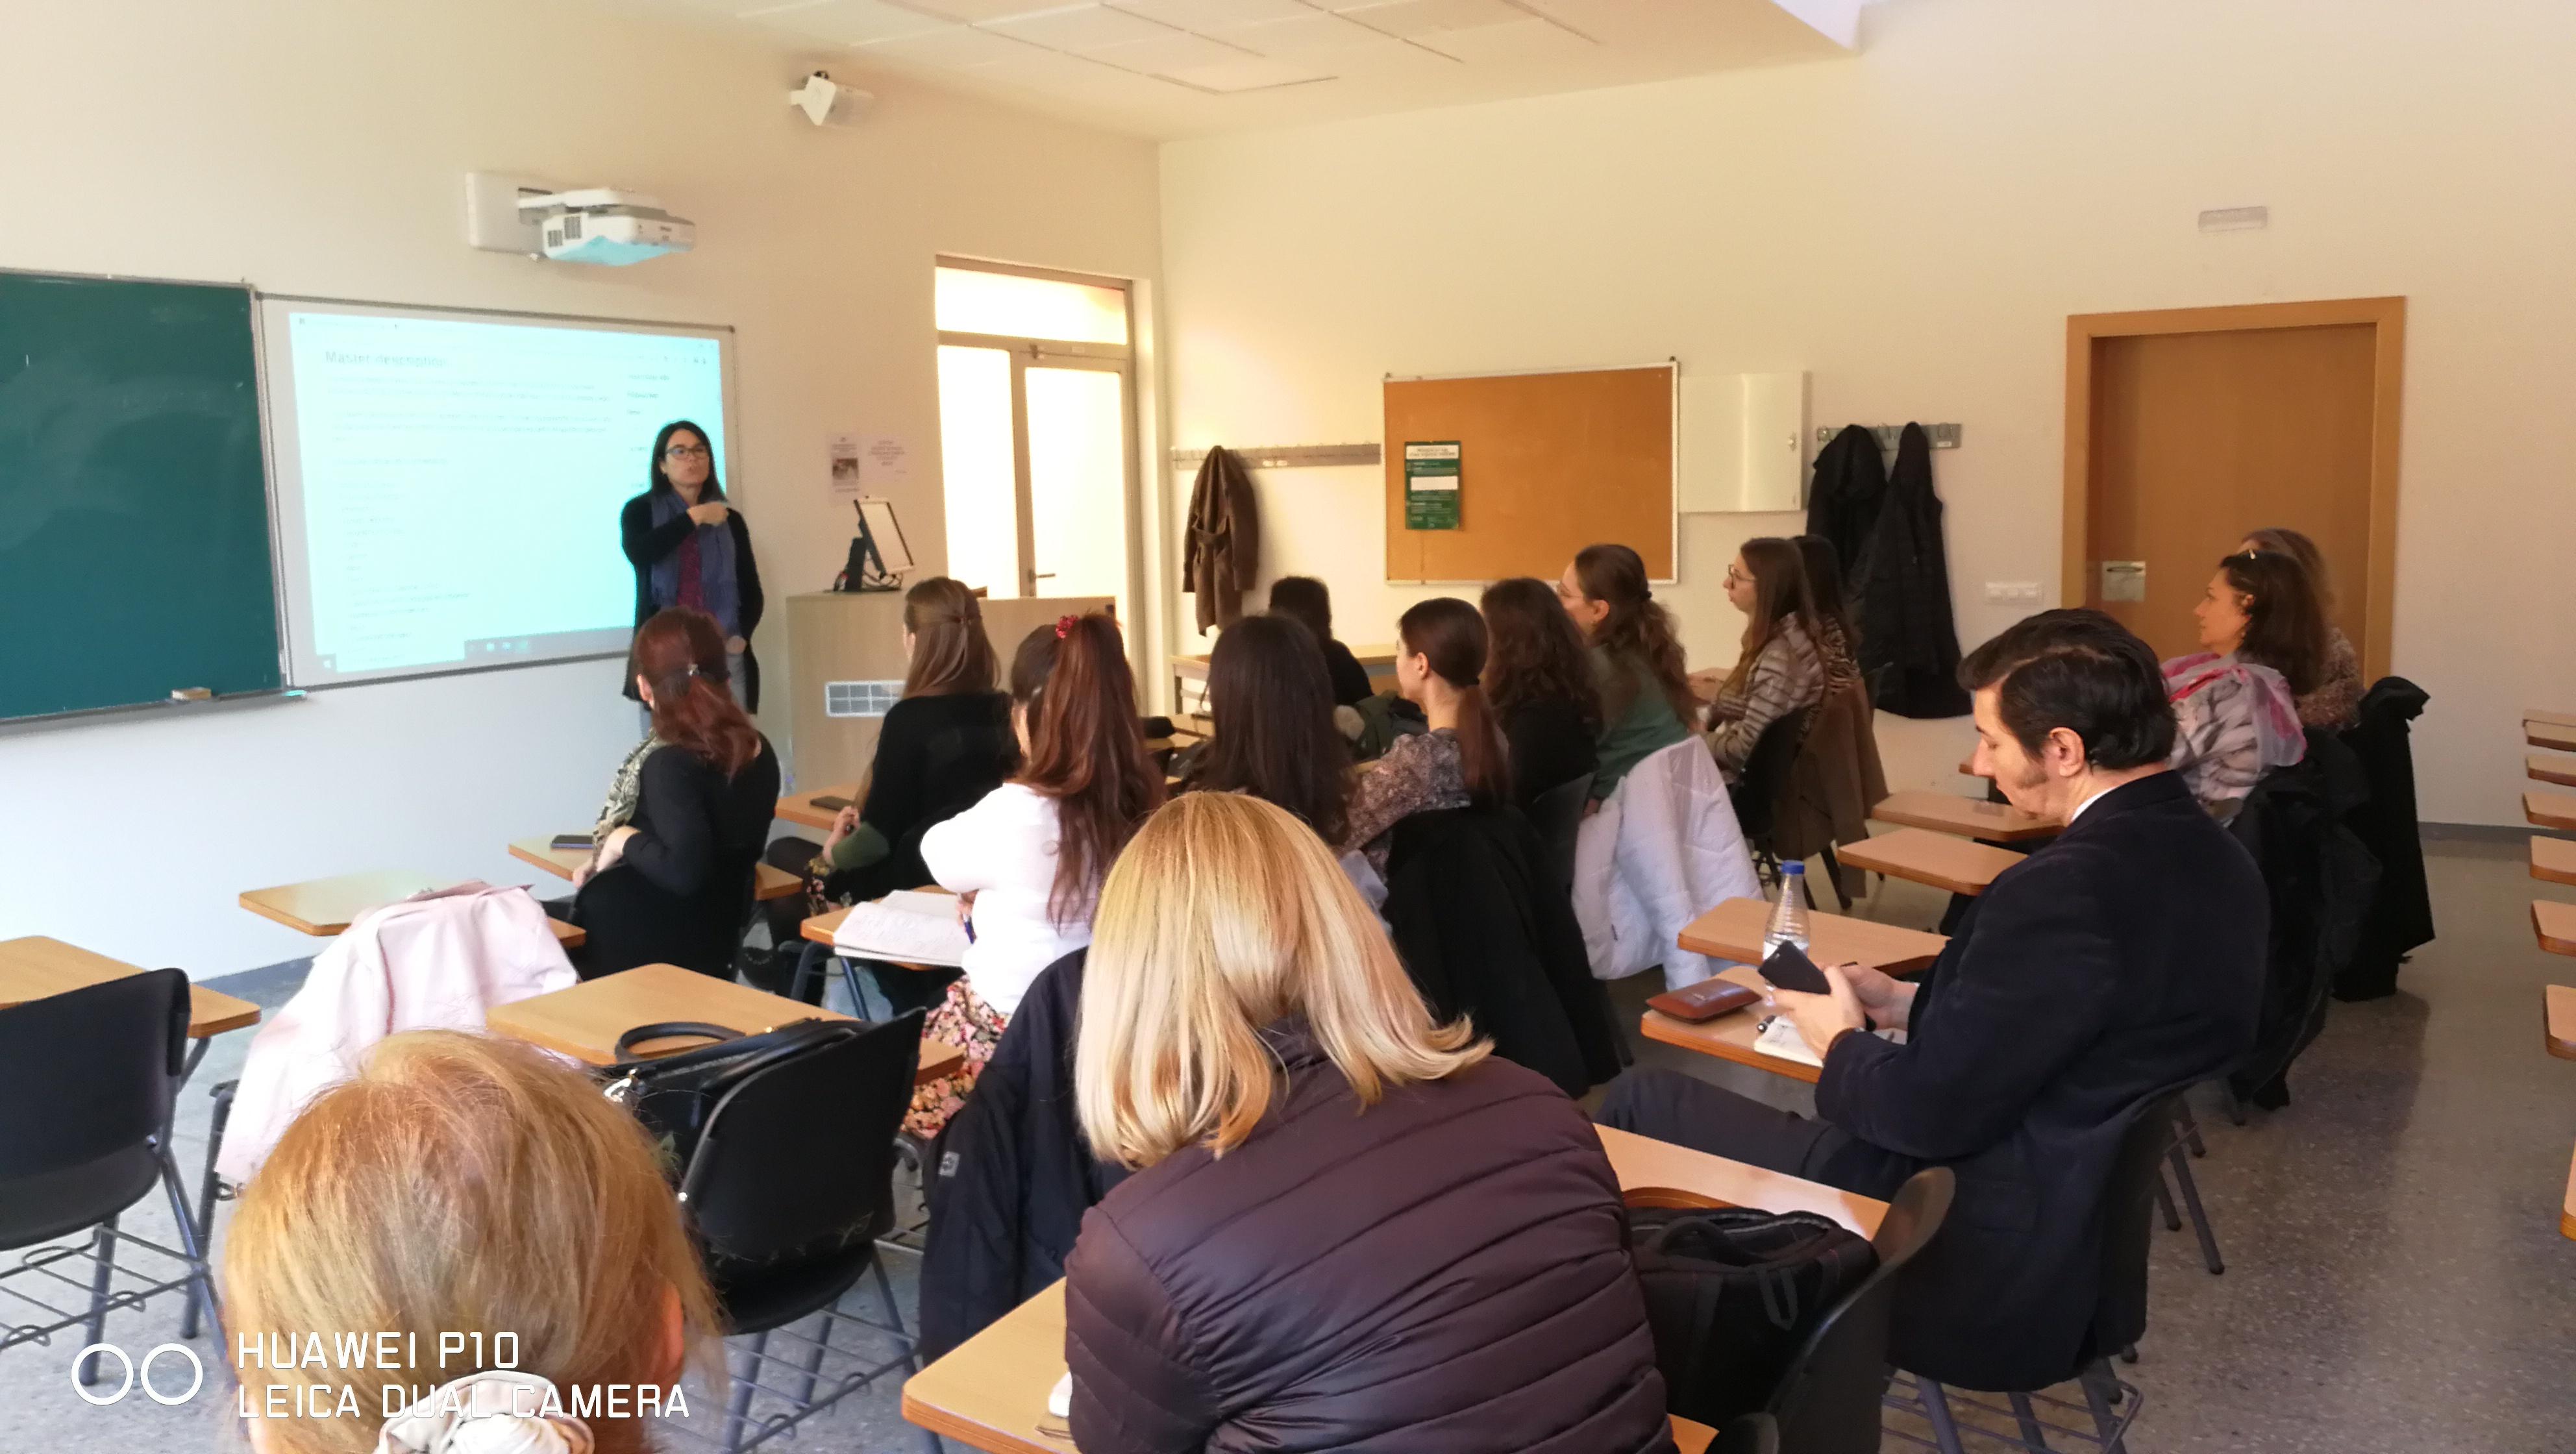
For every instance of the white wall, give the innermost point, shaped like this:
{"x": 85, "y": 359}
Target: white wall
{"x": 1913, "y": 225}
{"x": 320, "y": 149}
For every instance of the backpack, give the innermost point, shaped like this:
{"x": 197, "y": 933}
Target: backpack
{"x": 1731, "y": 1294}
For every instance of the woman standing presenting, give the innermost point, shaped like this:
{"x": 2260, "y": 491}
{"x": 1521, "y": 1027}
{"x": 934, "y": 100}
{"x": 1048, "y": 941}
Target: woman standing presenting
{"x": 690, "y": 548}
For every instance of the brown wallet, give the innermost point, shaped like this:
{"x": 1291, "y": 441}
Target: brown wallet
{"x": 1705, "y": 1000}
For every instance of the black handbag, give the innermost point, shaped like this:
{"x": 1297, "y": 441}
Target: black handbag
{"x": 1731, "y": 1293}
{"x": 675, "y": 1095}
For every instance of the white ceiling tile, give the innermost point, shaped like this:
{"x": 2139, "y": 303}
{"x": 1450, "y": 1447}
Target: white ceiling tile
{"x": 1211, "y": 17}
{"x": 1419, "y": 17}
{"x": 1081, "y": 28}
{"x": 848, "y": 22}
{"x": 1249, "y": 73}
{"x": 1520, "y": 42}
{"x": 1168, "y": 53}
{"x": 959, "y": 45}
{"x": 1310, "y": 35}
{"x": 978, "y": 11}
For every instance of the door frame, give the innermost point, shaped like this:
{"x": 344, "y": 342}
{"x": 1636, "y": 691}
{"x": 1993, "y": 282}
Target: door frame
{"x": 2386, "y": 318}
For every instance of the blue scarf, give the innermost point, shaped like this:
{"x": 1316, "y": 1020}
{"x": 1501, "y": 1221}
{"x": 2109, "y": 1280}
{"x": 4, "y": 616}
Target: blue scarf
{"x": 715, "y": 566}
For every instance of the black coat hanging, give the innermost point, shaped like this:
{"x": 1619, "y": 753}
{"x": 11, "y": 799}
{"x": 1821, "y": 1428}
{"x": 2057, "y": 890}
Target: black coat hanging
{"x": 1842, "y": 504}
{"x": 1909, "y": 647}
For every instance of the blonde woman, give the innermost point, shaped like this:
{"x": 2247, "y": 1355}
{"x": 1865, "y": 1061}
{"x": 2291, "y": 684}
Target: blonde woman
{"x": 464, "y": 1185}
{"x": 1347, "y": 1227}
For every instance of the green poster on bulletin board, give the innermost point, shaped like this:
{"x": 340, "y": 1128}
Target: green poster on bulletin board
{"x": 1431, "y": 486}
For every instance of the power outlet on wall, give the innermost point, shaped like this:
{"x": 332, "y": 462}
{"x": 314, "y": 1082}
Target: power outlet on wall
{"x": 2013, "y": 592}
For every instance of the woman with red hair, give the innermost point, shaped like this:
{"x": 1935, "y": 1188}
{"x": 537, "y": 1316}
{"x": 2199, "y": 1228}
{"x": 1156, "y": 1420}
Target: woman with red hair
{"x": 673, "y": 884}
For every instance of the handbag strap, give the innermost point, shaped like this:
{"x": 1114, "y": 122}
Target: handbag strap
{"x": 669, "y": 1030}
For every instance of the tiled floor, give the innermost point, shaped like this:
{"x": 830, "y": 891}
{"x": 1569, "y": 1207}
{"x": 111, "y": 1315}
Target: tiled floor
{"x": 2395, "y": 1277}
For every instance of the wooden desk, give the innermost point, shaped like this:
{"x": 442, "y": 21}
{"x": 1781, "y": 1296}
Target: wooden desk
{"x": 1733, "y": 930}
{"x": 563, "y": 863}
{"x": 324, "y": 907}
{"x": 990, "y": 1392}
{"x": 585, "y": 1020}
{"x": 1728, "y": 1037}
{"x": 2554, "y": 719}
{"x": 1965, "y": 817}
{"x": 2555, "y": 923}
{"x": 2549, "y": 810}
{"x": 2560, "y": 770}
{"x": 799, "y": 808}
{"x": 2549, "y": 734}
{"x": 2557, "y": 1019}
{"x": 823, "y": 927}
{"x": 36, "y": 967}
{"x": 2553, "y": 859}
{"x": 1959, "y": 865}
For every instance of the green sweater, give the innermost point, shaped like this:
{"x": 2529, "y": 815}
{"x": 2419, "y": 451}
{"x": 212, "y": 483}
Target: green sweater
{"x": 1646, "y": 728}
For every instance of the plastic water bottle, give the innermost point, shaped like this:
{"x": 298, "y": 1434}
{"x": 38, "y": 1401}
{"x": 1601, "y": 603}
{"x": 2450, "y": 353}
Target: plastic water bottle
{"x": 1789, "y": 916}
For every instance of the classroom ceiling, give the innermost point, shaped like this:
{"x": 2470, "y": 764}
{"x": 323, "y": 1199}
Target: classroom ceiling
{"x": 1172, "y": 68}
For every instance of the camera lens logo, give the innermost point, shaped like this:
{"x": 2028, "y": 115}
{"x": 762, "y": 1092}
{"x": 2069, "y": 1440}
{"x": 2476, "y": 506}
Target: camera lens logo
{"x": 137, "y": 1374}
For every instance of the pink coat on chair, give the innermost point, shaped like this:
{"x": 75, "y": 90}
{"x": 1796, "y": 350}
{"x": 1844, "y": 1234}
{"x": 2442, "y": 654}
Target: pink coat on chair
{"x": 435, "y": 961}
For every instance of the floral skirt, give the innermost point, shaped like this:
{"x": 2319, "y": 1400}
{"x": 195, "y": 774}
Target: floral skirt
{"x": 974, "y": 1027}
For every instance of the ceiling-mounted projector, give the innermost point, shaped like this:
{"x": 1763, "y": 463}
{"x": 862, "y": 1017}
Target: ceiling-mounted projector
{"x": 604, "y": 225}
{"x": 827, "y": 102}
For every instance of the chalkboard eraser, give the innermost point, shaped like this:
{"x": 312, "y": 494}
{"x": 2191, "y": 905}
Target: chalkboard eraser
{"x": 193, "y": 694}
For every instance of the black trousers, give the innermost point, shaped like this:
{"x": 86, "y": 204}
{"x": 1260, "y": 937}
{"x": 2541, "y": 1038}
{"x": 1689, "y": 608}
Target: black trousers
{"x": 1669, "y": 1106}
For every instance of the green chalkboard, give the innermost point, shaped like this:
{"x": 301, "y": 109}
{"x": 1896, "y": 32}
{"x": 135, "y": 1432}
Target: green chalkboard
{"x": 134, "y": 531}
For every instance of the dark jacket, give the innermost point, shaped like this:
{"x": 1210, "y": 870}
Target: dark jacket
{"x": 2401, "y": 913}
{"x": 936, "y": 757}
{"x": 1350, "y": 679}
{"x": 644, "y": 545}
{"x": 1446, "y": 1269}
{"x": 1909, "y": 648}
{"x": 1223, "y": 551}
{"x": 2319, "y": 879}
{"x": 2123, "y": 960}
{"x": 682, "y": 893}
{"x": 1550, "y": 747}
{"x": 1484, "y": 937}
{"x": 1014, "y": 1175}
{"x": 1843, "y": 503}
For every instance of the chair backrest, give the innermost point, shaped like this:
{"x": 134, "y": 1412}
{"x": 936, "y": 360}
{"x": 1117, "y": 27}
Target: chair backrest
{"x": 2128, "y": 1223}
{"x": 1828, "y": 1399}
{"x": 1748, "y": 1434}
{"x": 798, "y": 1159}
{"x": 1557, "y": 814}
{"x": 90, "y": 1072}
{"x": 1766, "y": 775}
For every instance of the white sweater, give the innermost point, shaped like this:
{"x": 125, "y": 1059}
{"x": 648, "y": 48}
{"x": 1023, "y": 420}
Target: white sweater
{"x": 1002, "y": 850}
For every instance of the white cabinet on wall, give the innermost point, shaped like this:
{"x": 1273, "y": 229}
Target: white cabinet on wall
{"x": 1743, "y": 443}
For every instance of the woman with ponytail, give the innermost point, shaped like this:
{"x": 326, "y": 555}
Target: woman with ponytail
{"x": 673, "y": 883}
{"x": 1646, "y": 703}
{"x": 1462, "y": 761}
{"x": 1027, "y": 861}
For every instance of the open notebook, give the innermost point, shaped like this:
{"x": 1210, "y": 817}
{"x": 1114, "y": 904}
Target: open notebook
{"x": 908, "y": 927}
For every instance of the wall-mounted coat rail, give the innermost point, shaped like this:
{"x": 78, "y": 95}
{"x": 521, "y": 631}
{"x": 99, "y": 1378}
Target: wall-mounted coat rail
{"x": 1944, "y": 436}
{"x": 1287, "y": 456}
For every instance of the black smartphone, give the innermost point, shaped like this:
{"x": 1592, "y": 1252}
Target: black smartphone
{"x": 830, "y": 804}
{"x": 1789, "y": 968}
{"x": 571, "y": 840}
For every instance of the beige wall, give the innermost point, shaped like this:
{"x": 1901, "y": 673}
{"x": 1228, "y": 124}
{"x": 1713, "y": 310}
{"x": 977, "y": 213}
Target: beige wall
{"x": 1913, "y": 226}
{"x": 320, "y": 148}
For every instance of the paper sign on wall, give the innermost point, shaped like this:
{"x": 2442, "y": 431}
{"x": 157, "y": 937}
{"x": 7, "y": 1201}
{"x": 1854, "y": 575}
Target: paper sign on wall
{"x": 885, "y": 462}
{"x": 844, "y": 450}
{"x": 1431, "y": 485}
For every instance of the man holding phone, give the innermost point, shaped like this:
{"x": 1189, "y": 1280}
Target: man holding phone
{"x": 2117, "y": 964}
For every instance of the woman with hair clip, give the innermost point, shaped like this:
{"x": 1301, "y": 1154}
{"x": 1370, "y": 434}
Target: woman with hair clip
{"x": 1347, "y": 1227}
{"x": 1462, "y": 761}
{"x": 2236, "y": 702}
{"x": 1541, "y": 686}
{"x": 673, "y": 883}
{"x": 2335, "y": 703}
{"x": 1026, "y": 862}
{"x": 943, "y": 746}
{"x": 1646, "y": 703}
{"x": 1275, "y": 737}
{"x": 1778, "y": 669}
{"x": 691, "y": 548}
{"x": 466, "y": 1183}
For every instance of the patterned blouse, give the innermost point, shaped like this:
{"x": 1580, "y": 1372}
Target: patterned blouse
{"x": 623, "y": 791}
{"x": 2336, "y": 703}
{"x": 2235, "y": 722}
{"x": 1421, "y": 773}
{"x": 1788, "y": 676}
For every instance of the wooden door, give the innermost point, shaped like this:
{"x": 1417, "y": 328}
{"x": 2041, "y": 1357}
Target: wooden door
{"x": 2183, "y": 439}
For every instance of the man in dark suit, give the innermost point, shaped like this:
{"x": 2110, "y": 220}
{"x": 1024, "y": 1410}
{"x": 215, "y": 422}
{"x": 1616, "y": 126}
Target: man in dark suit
{"x": 2119, "y": 963}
